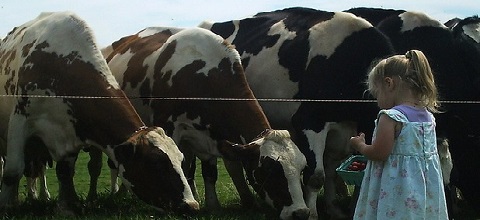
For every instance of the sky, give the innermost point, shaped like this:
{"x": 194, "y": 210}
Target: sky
{"x": 112, "y": 19}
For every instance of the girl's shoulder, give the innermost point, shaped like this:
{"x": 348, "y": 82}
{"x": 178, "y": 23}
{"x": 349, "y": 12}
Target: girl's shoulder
{"x": 394, "y": 114}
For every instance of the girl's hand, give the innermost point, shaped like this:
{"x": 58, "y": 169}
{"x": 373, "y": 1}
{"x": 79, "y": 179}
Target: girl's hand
{"x": 358, "y": 141}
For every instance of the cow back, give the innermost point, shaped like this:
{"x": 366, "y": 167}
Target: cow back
{"x": 55, "y": 55}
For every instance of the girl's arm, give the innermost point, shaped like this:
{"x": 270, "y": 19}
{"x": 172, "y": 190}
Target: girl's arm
{"x": 382, "y": 146}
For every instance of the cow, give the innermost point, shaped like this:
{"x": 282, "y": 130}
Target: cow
{"x": 191, "y": 83}
{"x": 454, "y": 54}
{"x": 316, "y": 61}
{"x": 58, "y": 90}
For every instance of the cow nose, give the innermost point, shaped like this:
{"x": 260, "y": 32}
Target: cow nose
{"x": 301, "y": 214}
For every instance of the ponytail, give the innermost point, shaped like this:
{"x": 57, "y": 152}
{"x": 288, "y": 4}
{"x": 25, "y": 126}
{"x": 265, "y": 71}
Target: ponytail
{"x": 414, "y": 70}
{"x": 420, "y": 77}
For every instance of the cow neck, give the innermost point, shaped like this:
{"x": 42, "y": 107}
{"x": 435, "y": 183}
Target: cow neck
{"x": 114, "y": 119}
{"x": 244, "y": 119}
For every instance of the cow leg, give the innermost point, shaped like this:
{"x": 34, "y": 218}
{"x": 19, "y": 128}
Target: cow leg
{"x": 13, "y": 170}
{"x": 113, "y": 177}
{"x": 68, "y": 202}
{"x": 32, "y": 188}
{"x": 313, "y": 186}
{"x": 2, "y": 164}
{"x": 44, "y": 194}
{"x": 337, "y": 149}
{"x": 189, "y": 166}
{"x": 190, "y": 175}
{"x": 315, "y": 172}
{"x": 94, "y": 170}
{"x": 235, "y": 170}
{"x": 330, "y": 191}
{"x": 210, "y": 176}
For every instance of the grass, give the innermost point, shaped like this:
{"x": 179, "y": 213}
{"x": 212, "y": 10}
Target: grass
{"x": 127, "y": 206}
{"x": 111, "y": 207}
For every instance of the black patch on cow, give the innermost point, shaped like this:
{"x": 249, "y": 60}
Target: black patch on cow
{"x": 298, "y": 20}
{"x": 245, "y": 31}
{"x": 270, "y": 178}
{"x": 166, "y": 182}
{"x": 454, "y": 80}
{"x": 293, "y": 55}
{"x": 36, "y": 157}
{"x": 469, "y": 50}
{"x": 225, "y": 29}
{"x": 124, "y": 152}
{"x": 374, "y": 15}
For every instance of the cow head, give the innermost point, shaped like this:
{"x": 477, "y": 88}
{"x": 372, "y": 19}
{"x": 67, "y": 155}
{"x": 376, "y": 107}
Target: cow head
{"x": 150, "y": 165}
{"x": 274, "y": 166}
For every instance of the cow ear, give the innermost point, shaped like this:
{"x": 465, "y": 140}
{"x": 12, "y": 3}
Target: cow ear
{"x": 124, "y": 152}
{"x": 239, "y": 152}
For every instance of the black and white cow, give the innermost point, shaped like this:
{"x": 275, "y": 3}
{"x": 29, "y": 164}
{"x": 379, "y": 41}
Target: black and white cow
{"x": 191, "y": 82}
{"x": 58, "y": 90}
{"x": 301, "y": 53}
{"x": 454, "y": 54}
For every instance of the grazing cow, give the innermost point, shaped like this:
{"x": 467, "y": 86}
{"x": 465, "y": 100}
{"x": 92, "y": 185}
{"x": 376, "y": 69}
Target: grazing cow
{"x": 57, "y": 89}
{"x": 191, "y": 82}
{"x": 307, "y": 54}
{"x": 454, "y": 54}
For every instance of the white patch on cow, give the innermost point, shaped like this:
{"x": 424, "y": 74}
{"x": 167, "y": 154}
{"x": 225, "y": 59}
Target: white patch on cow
{"x": 473, "y": 31}
{"x": 268, "y": 79}
{"x": 196, "y": 44}
{"x": 326, "y": 36}
{"x": 278, "y": 146}
{"x": 149, "y": 31}
{"x": 316, "y": 141}
{"x": 55, "y": 125}
{"x": 168, "y": 146}
{"x": 118, "y": 65}
{"x": 412, "y": 20}
{"x": 199, "y": 141}
{"x": 446, "y": 163}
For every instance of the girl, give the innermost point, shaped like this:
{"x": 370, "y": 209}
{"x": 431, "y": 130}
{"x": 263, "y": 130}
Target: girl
{"x": 403, "y": 178}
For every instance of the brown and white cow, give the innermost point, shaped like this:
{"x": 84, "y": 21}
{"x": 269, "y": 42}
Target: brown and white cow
{"x": 58, "y": 89}
{"x": 191, "y": 83}
{"x": 308, "y": 54}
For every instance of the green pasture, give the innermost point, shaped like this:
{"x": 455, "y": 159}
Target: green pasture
{"x": 129, "y": 207}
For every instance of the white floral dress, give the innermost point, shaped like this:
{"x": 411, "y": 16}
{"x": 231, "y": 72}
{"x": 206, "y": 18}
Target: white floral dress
{"x": 408, "y": 185}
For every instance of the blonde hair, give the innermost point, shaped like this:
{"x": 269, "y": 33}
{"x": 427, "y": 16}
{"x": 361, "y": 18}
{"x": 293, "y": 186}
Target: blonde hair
{"x": 413, "y": 69}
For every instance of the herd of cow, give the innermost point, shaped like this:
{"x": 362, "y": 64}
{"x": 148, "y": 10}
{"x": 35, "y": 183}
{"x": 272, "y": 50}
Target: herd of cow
{"x": 156, "y": 100}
